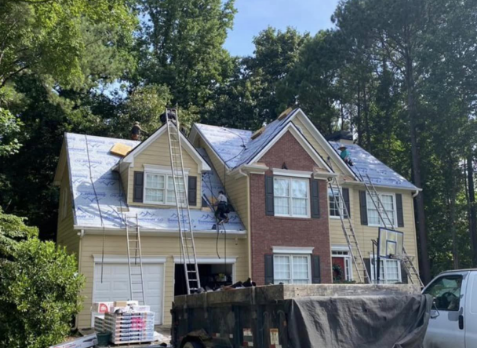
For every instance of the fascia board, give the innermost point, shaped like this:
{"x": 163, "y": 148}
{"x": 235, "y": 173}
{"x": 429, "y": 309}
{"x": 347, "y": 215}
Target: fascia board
{"x": 324, "y": 143}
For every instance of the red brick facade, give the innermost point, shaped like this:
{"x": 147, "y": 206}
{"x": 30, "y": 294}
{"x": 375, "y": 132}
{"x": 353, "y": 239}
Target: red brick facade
{"x": 270, "y": 231}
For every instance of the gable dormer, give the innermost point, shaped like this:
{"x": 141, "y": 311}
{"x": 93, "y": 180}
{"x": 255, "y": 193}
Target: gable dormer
{"x": 146, "y": 172}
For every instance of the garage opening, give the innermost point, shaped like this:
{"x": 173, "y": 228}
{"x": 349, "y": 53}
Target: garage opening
{"x": 212, "y": 276}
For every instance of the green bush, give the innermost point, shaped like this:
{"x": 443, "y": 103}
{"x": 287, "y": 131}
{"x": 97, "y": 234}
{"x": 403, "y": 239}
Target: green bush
{"x": 39, "y": 287}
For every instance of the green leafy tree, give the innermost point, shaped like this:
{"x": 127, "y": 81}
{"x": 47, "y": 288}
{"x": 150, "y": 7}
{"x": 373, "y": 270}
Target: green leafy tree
{"x": 180, "y": 46}
{"x": 39, "y": 287}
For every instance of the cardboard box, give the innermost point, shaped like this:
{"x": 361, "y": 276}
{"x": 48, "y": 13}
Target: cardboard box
{"x": 120, "y": 303}
{"x": 101, "y": 307}
{"x": 141, "y": 308}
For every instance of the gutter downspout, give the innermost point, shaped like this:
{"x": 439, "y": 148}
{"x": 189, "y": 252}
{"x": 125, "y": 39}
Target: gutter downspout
{"x": 414, "y": 195}
{"x": 80, "y": 250}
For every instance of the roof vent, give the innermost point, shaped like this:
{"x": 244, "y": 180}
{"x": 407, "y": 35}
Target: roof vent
{"x": 284, "y": 114}
{"x": 258, "y": 133}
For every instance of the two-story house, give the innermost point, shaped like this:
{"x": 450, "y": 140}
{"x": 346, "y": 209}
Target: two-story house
{"x": 284, "y": 228}
{"x": 278, "y": 178}
{"x": 101, "y": 192}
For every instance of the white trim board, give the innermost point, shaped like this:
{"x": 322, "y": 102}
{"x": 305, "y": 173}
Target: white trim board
{"x": 323, "y": 142}
{"x": 209, "y": 260}
{"x": 124, "y": 259}
{"x": 290, "y": 127}
{"x": 293, "y": 250}
{"x": 294, "y": 173}
{"x": 203, "y": 166}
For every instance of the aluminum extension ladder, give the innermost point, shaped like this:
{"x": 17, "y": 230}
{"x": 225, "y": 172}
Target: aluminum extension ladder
{"x": 189, "y": 258}
{"x": 349, "y": 233}
{"x": 379, "y": 206}
{"x": 136, "y": 274}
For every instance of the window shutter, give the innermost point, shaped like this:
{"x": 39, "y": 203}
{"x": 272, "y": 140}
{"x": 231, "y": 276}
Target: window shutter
{"x": 315, "y": 199}
{"x": 404, "y": 277}
{"x": 138, "y": 187}
{"x": 269, "y": 201}
{"x": 268, "y": 269}
{"x": 315, "y": 269}
{"x": 400, "y": 215}
{"x": 367, "y": 264}
{"x": 363, "y": 208}
{"x": 345, "y": 192}
{"x": 192, "y": 190}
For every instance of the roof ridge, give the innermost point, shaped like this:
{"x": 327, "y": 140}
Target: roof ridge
{"x": 212, "y": 125}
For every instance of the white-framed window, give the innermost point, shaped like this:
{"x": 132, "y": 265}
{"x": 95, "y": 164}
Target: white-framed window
{"x": 387, "y": 209}
{"x": 389, "y": 273}
{"x": 291, "y": 196}
{"x": 291, "y": 269}
{"x": 336, "y": 205}
{"x": 346, "y": 256}
{"x": 159, "y": 188}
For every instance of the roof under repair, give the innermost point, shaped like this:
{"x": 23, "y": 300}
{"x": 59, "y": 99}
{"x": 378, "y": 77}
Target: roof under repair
{"x": 236, "y": 147}
{"x": 98, "y": 196}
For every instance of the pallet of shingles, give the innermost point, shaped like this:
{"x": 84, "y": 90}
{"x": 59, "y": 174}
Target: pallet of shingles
{"x": 98, "y": 323}
{"x": 130, "y": 327}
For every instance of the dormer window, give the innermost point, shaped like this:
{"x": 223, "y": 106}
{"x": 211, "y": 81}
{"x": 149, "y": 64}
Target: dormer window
{"x": 159, "y": 186}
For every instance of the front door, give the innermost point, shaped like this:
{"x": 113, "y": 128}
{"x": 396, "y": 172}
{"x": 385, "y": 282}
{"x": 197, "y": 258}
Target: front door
{"x": 444, "y": 329}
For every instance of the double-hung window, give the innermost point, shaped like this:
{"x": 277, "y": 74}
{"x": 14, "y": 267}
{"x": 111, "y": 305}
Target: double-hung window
{"x": 336, "y": 203}
{"x": 381, "y": 204}
{"x": 291, "y": 196}
{"x": 159, "y": 188}
{"x": 291, "y": 269}
{"x": 389, "y": 273}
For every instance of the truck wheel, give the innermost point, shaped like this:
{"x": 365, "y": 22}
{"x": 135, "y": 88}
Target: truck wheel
{"x": 192, "y": 344}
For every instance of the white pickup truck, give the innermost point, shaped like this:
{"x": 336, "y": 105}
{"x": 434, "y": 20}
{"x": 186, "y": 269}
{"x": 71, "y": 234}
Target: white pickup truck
{"x": 453, "y": 322}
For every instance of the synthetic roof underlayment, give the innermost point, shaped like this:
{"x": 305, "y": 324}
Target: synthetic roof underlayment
{"x": 98, "y": 195}
{"x": 366, "y": 164}
{"x": 236, "y": 147}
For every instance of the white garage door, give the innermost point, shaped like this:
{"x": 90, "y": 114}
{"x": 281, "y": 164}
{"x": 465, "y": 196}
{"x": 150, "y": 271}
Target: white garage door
{"x": 115, "y": 285}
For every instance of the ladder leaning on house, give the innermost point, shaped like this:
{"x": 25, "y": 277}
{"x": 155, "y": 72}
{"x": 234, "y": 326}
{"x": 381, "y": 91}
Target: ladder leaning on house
{"x": 188, "y": 253}
{"x": 348, "y": 231}
{"x": 379, "y": 206}
{"x": 136, "y": 274}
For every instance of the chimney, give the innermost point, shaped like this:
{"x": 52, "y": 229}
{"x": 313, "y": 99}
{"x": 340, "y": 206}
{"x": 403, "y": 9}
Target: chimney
{"x": 343, "y": 137}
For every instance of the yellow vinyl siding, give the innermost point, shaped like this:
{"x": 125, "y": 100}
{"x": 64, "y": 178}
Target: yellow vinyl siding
{"x": 236, "y": 188}
{"x": 167, "y": 247}
{"x": 365, "y": 234}
{"x": 66, "y": 235}
{"x": 157, "y": 153}
{"x": 311, "y": 139}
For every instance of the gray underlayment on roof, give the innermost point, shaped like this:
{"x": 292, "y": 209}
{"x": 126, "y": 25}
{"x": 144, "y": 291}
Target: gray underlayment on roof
{"x": 98, "y": 196}
{"x": 236, "y": 147}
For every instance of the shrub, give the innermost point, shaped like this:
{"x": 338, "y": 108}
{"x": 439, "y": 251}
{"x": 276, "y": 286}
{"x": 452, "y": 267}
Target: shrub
{"x": 39, "y": 287}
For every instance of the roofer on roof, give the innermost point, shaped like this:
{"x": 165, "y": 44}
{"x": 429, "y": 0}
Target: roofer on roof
{"x": 222, "y": 208}
{"x": 137, "y": 131}
{"x": 345, "y": 155}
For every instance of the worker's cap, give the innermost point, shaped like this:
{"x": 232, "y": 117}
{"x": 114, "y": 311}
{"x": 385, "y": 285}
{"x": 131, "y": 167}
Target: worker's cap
{"x": 342, "y": 147}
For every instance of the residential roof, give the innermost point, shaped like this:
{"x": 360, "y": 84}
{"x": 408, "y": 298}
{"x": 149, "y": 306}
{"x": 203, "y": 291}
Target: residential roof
{"x": 235, "y": 147}
{"x": 98, "y": 196}
{"x": 366, "y": 164}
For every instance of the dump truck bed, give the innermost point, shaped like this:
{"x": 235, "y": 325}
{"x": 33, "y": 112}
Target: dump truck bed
{"x": 286, "y": 316}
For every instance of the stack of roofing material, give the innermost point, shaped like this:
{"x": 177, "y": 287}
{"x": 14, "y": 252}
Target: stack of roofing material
{"x": 134, "y": 327}
{"x": 99, "y": 323}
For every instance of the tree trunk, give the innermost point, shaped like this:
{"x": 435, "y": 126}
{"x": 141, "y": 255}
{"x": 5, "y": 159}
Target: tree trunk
{"x": 424, "y": 264}
{"x": 359, "y": 123}
{"x": 472, "y": 210}
{"x": 453, "y": 230}
{"x": 366, "y": 119}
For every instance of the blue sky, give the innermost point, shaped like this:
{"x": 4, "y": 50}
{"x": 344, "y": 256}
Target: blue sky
{"x": 255, "y": 15}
